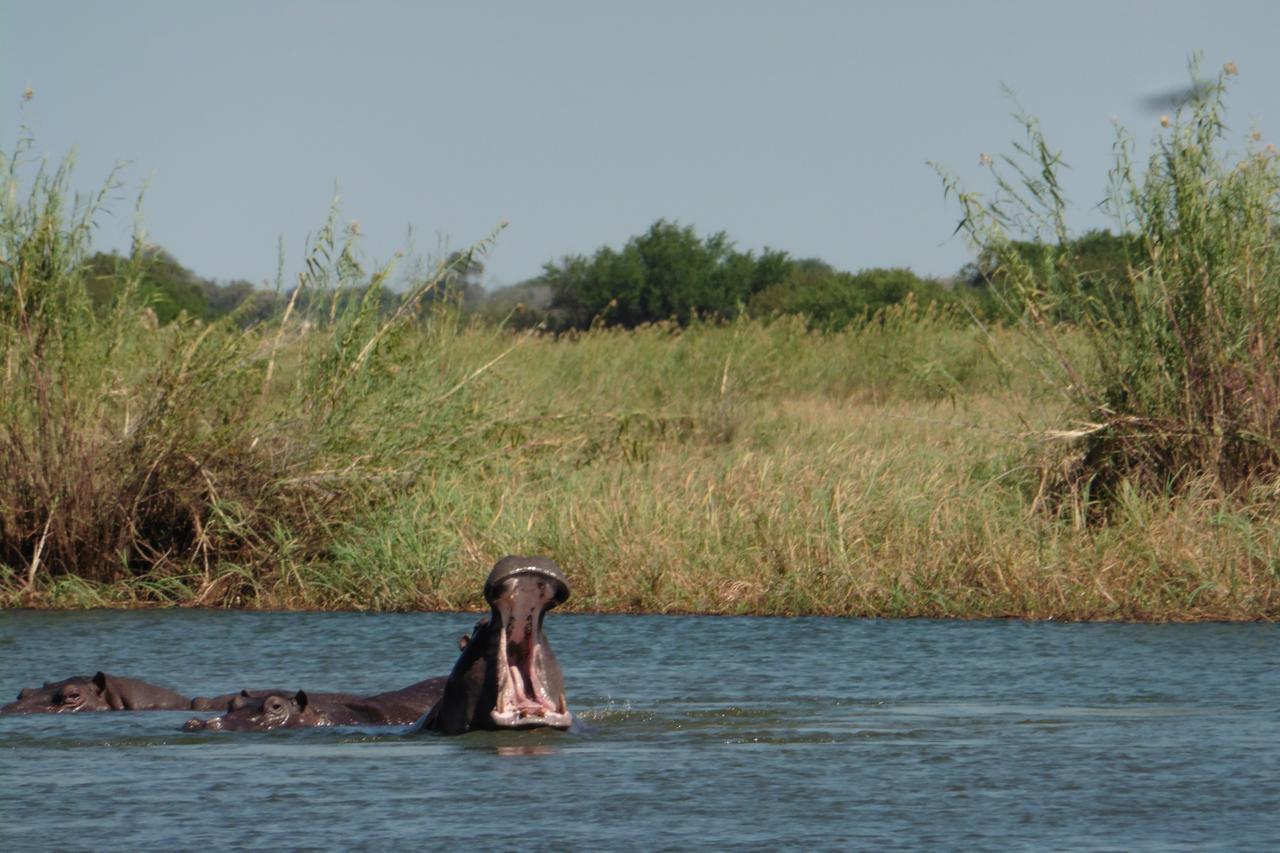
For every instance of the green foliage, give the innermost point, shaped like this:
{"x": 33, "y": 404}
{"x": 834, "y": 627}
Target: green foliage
{"x": 338, "y": 444}
{"x": 462, "y": 282}
{"x": 169, "y": 288}
{"x": 830, "y": 299}
{"x": 1100, "y": 260}
{"x": 1181, "y": 382}
{"x": 134, "y": 449}
{"x": 523, "y": 305}
{"x": 155, "y": 277}
{"x": 667, "y": 273}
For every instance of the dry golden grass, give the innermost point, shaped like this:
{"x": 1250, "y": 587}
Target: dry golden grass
{"x": 739, "y": 469}
{"x": 853, "y": 508}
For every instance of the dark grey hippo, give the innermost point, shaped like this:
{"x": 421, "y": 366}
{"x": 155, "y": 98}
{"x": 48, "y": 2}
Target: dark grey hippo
{"x": 265, "y": 710}
{"x": 279, "y": 709}
{"x": 98, "y": 692}
{"x": 105, "y": 692}
{"x": 507, "y": 676}
{"x": 231, "y": 701}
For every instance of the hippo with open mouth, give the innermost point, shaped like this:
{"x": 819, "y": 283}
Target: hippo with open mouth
{"x": 507, "y": 676}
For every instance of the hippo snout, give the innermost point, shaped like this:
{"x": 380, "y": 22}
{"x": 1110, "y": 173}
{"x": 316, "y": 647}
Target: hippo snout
{"x": 195, "y": 724}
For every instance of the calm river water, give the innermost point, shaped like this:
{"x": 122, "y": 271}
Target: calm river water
{"x": 703, "y": 732}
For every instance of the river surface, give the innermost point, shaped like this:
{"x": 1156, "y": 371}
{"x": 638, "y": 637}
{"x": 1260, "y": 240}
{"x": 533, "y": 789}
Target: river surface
{"x": 756, "y": 733}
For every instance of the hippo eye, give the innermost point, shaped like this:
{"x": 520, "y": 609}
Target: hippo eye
{"x": 71, "y": 696}
{"x": 274, "y": 705}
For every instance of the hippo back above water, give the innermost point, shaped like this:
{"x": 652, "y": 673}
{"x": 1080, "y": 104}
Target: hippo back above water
{"x": 507, "y": 676}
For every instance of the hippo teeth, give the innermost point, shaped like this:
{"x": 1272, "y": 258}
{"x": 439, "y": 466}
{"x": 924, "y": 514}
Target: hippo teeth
{"x": 522, "y": 699}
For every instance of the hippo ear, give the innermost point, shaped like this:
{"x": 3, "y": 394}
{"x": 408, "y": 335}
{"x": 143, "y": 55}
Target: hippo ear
{"x": 245, "y": 693}
{"x": 301, "y": 698}
{"x": 463, "y": 641}
{"x": 102, "y": 683}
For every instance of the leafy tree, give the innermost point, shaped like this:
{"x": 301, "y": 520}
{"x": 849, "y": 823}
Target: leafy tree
{"x": 1098, "y": 263}
{"x": 666, "y": 273}
{"x": 225, "y": 298}
{"x": 168, "y": 288}
{"x": 464, "y": 277}
{"x": 833, "y": 299}
{"x": 523, "y": 305}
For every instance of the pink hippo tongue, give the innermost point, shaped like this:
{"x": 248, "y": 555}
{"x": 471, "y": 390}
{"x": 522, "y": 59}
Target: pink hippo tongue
{"x": 523, "y": 703}
{"x": 517, "y": 686}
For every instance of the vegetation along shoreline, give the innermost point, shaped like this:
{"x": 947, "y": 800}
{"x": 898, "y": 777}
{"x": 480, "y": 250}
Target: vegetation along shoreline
{"x": 1075, "y": 427}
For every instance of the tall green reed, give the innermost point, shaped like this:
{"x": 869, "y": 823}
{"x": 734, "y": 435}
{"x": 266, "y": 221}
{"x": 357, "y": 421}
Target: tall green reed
{"x": 130, "y": 450}
{"x": 1179, "y": 380}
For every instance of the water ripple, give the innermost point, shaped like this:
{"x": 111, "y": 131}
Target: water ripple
{"x": 697, "y": 731}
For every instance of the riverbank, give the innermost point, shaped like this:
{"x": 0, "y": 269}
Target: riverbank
{"x": 742, "y": 468}
{"x": 358, "y": 443}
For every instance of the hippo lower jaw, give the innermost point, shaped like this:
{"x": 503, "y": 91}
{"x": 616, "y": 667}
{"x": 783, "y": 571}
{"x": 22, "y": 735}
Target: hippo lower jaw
{"x": 531, "y": 715}
{"x": 515, "y": 707}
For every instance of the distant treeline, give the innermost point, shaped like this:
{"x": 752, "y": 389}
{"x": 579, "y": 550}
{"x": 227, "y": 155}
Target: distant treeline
{"x": 667, "y": 274}
{"x": 171, "y": 290}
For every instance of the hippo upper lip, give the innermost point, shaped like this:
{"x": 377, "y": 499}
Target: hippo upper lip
{"x": 196, "y": 724}
{"x": 514, "y": 566}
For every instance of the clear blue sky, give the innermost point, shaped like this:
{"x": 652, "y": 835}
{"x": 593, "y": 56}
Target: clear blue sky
{"x": 803, "y": 126}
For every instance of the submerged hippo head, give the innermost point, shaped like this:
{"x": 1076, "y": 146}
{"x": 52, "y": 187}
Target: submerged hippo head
{"x": 507, "y": 677}
{"x": 263, "y": 711}
{"x": 99, "y": 692}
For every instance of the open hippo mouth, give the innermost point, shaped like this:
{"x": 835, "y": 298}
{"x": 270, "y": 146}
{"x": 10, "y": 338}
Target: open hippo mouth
{"x": 530, "y": 684}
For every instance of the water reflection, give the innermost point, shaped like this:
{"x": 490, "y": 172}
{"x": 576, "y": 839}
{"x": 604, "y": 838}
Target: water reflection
{"x": 526, "y": 749}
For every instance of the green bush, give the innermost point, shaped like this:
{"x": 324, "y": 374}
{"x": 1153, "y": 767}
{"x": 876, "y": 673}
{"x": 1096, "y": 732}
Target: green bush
{"x": 167, "y": 287}
{"x": 1180, "y": 381}
{"x": 830, "y": 299}
{"x": 1100, "y": 261}
{"x": 180, "y": 453}
{"x": 667, "y": 273}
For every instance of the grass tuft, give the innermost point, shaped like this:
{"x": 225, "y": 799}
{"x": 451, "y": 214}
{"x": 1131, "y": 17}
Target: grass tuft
{"x": 1178, "y": 380}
